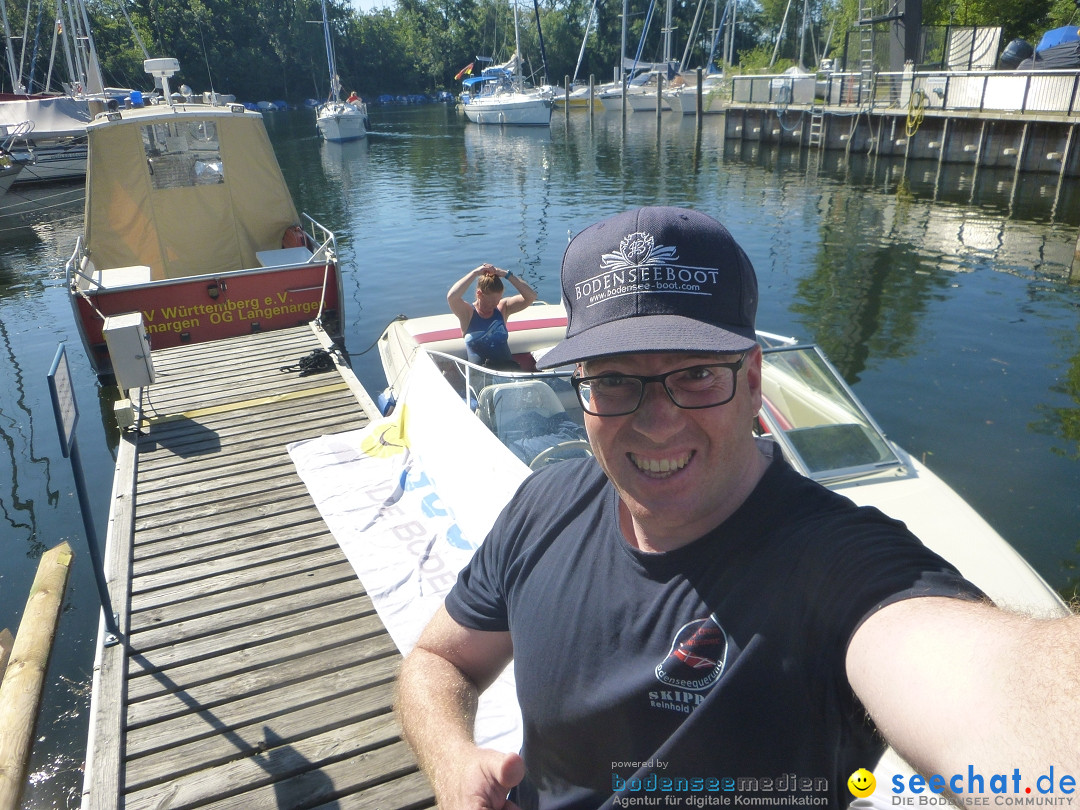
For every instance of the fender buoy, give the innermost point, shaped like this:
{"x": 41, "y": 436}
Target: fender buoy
{"x": 294, "y": 237}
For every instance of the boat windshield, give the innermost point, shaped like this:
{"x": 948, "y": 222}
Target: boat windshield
{"x": 535, "y": 414}
{"x": 182, "y": 153}
{"x": 823, "y": 429}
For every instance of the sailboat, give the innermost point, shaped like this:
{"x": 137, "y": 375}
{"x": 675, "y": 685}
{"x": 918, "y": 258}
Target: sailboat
{"x": 46, "y": 131}
{"x": 335, "y": 119}
{"x": 502, "y": 97}
{"x": 640, "y": 78}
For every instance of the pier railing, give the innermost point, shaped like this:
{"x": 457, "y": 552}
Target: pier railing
{"x": 1042, "y": 91}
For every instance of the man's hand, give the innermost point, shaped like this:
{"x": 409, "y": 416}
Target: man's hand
{"x": 483, "y": 785}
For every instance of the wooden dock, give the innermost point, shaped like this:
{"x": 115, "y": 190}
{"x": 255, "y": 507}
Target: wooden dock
{"x": 253, "y": 670}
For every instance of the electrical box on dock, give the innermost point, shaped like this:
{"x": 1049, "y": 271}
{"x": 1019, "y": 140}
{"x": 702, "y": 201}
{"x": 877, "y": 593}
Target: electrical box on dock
{"x": 129, "y": 350}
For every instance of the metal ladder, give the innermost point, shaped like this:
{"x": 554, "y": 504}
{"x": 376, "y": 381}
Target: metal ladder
{"x": 817, "y": 125}
{"x": 866, "y": 52}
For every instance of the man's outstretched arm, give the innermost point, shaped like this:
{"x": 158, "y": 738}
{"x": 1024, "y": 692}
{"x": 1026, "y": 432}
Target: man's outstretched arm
{"x": 952, "y": 684}
{"x": 437, "y": 693}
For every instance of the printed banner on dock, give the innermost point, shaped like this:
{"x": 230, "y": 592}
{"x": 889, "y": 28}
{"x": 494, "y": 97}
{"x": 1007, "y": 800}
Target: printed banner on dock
{"x": 408, "y": 507}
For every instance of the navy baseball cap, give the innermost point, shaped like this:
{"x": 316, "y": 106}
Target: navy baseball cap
{"x": 655, "y": 280}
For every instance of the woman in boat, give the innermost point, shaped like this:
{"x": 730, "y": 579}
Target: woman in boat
{"x": 483, "y": 322}
{"x": 353, "y": 98}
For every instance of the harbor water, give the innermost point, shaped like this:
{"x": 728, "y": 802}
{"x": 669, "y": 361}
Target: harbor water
{"x": 943, "y": 295}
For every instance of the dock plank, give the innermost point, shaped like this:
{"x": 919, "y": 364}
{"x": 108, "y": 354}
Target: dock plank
{"x": 254, "y": 670}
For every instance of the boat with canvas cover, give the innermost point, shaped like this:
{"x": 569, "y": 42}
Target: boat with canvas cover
{"x": 189, "y": 224}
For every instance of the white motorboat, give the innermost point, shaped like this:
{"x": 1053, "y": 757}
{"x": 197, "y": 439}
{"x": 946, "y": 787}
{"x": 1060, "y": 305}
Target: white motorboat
{"x": 191, "y": 230}
{"x": 642, "y": 84}
{"x": 337, "y": 120}
{"x": 822, "y": 428}
{"x": 683, "y": 98}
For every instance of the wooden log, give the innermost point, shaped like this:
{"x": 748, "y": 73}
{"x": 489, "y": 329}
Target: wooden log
{"x": 24, "y": 679}
{"x": 6, "y": 642}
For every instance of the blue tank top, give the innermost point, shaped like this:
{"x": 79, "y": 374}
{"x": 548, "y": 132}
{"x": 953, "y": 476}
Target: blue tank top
{"x": 486, "y": 340}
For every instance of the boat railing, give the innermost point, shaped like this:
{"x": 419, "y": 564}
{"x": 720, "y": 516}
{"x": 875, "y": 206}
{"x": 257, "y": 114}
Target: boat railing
{"x": 323, "y": 237}
{"x": 73, "y": 269}
{"x": 1033, "y": 91}
{"x": 14, "y": 132}
{"x": 470, "y": 378}
{"x": 325, "y": 252}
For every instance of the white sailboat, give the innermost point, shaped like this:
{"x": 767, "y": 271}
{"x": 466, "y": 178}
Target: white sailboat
{"x": 335, "y": 119}
{"x": 46, "y": 131}
{"x": 503, "y": 97}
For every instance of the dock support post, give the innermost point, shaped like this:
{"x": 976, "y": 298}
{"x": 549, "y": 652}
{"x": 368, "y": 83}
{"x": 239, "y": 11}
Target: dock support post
{"x": 566, "y": 95}
{"x": 700, "y": 109}
{"x": 24, "y": 679}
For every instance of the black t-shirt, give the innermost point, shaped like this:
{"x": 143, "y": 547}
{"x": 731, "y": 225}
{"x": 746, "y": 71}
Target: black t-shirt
{"x": 713, "y": 670}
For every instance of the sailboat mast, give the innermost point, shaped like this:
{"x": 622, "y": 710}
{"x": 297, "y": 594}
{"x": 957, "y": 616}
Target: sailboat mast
{"x": 540, "y": 36}
{"x": 15, "y": 85}
{"x": 667, "y": 34}
{"x": 584, "y": 39}
{"x": 334, "y": 81}
{"x": 517, "y": 47}
{"x": 622, "y": 49}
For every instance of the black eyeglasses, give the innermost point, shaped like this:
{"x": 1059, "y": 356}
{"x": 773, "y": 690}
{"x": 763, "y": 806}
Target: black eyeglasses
{"x": 694, "y": 387}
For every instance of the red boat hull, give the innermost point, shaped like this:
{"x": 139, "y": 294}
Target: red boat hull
{"x": 206, "y": 308}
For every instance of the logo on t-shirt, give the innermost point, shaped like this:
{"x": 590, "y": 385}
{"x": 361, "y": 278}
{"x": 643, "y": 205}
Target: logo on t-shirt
{"x": 697, "y": 657}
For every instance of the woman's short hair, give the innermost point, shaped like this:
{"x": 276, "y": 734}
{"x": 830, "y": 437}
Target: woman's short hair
{"x": 489, "y": 283}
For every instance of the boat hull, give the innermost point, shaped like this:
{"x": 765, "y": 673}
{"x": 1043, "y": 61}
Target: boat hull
{"x": 198, "y": 309}
{"x": 51, "y": 163}
{"x": 646, "y": 102}
{"x": 533, "y": 111}
{"x": 341, "y": 122}
{"x": 9, "y": 172}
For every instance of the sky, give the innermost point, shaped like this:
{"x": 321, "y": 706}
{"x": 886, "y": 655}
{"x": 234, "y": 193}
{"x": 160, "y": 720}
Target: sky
{"x": 368, "y": 5}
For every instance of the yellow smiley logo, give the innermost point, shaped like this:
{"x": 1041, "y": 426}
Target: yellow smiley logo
{"x": 861, "y": 783}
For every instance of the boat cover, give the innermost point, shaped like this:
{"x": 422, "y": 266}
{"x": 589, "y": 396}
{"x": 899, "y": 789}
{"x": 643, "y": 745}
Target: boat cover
{"x": 1058, "y": 36}
{"x": 210, "y": 225}
{"x": 1065, "y": 56}
{"x": 51, "y": 116}
{"x": 408, "y": 508}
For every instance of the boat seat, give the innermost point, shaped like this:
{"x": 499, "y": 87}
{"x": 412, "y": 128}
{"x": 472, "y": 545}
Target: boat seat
{"x": 284, "y": 257}
{"x": 112, "y": 278}
{"x": 527, "y": 416}
{"x": 504, "y": 405}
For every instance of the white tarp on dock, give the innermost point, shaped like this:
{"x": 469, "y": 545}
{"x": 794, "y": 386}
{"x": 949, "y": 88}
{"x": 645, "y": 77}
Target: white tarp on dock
{"x": 408, "y": 504}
